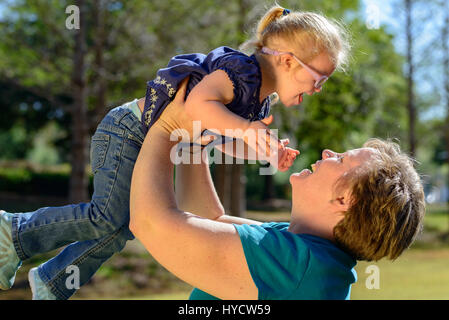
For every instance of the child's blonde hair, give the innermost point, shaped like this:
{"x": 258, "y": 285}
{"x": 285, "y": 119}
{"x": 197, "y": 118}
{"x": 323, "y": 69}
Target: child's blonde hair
{"x": 308, "y": 34}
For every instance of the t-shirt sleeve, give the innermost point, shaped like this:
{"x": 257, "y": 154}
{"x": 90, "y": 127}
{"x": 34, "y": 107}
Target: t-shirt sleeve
{"x": 276, "y": 261}
{"x": 245, "y": 77}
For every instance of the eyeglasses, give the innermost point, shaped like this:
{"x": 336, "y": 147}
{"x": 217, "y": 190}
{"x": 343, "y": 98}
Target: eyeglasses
{"x": 319, "y": 79}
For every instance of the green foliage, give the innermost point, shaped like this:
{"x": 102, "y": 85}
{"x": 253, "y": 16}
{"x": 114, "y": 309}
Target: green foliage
{"x": 24, "y": 181}
{"x": 139, "y": 37}
{"x": 28, "y": 181}
{"x": 13, "y": 143}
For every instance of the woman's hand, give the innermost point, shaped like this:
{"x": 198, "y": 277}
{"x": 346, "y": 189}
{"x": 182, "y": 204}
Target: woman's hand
{"x": 174, "y": 119}
{"x": 261, "y": 139}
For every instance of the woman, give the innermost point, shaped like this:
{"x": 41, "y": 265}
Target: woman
{"x": 363, "y": 204}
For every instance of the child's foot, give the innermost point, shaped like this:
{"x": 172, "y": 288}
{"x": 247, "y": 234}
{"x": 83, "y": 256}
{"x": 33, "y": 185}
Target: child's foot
{"x": 9, "y": 261}
{"x": 38, "y": 288}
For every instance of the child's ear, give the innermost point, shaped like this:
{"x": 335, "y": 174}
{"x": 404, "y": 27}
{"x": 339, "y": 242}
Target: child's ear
{"x": 286, "y": 61}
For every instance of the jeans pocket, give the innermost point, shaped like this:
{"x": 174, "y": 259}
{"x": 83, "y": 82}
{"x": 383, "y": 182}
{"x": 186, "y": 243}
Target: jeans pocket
{"x": 99, "y": 148}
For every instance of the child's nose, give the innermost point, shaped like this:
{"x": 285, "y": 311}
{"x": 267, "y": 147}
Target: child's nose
{"x": 313, "y": 90}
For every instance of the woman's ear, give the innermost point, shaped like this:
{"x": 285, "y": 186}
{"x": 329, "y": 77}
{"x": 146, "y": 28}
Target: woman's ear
{"x": 341, "y": 203}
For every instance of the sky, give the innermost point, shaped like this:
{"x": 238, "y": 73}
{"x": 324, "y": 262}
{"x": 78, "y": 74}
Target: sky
{"x": 426, "y": 22}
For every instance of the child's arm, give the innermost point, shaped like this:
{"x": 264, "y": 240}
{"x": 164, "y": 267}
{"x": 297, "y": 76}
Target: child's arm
{"x": 206, "y": 103}
{"x": 282, "y": 161}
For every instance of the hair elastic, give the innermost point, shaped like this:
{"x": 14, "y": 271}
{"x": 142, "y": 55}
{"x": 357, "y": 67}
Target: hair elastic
{"x": 285, "y": 12}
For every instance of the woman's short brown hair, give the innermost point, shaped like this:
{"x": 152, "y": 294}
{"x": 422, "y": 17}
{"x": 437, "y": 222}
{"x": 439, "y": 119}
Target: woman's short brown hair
{"x": 387, "y": 205}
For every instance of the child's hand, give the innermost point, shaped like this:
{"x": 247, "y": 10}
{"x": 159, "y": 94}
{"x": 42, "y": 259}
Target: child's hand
{"x": 286, "y": 156}
{"x": 259, "y": 137}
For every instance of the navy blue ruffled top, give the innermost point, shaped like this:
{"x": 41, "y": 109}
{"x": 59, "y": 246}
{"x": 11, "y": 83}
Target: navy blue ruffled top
{"x": 244, "y": 72}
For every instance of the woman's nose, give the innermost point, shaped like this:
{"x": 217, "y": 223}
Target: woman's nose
{"x": 327, "y": 154}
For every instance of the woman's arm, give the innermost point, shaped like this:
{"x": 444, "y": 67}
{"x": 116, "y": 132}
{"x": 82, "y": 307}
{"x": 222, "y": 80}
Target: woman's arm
{"x": 195, "y": 192}
{"x": 205, "y": 253}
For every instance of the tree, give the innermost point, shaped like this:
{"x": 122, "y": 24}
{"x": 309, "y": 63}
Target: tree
{"x": 99, "y": 79}
{"x": 78, "y": 72}
{"x": 126, "y": 42}
{"x": 410, "y": 77}
{"x": 79, "y": 155}
{"x": 445, "y": 50}
{"x": 230, "y": 178}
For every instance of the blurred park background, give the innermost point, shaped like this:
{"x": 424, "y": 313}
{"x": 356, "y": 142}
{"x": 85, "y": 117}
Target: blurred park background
{"x": 56, "y": 84}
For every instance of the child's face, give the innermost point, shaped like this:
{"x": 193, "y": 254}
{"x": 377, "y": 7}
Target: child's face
{"x": 294, "y": 80}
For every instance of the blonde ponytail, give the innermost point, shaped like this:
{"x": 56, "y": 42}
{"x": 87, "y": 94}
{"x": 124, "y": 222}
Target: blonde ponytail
{"x": 307, "y": 34}
{"x": 272, "y": 15}
{"x": 256, "y": 42}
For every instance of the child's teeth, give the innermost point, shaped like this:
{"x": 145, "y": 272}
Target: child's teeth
{"x": 313, "y": 167}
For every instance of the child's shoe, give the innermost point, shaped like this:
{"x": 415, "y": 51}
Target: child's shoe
{"x": 9, "y": 261}
{"x": 38, "y": 288}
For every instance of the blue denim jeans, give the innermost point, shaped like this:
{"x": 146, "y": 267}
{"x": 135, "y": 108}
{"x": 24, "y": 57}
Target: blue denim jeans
{"x": 93, "y": 231}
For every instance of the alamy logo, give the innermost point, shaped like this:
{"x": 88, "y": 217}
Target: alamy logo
{"x": 373, "y": 280}
{"x": 73, "y": 280}
{"x": 184, "y": 151}
{"x": 73, "y": 20}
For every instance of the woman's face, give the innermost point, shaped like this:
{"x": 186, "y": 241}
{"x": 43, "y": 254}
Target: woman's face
{"x": 294, "y": 81}
{"x": 313, "y": 189}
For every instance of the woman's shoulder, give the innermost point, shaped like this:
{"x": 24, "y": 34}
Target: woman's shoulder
{"x": 276, "y": 234}
{"x": 271, "y": 234}
{"x": 299, "y": 261}
{"x": 265, "y": 227}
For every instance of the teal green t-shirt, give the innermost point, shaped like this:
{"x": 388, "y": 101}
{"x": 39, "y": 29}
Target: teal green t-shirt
{"x": 292, "y": 266}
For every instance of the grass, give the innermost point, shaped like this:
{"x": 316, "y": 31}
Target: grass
{"x": 417, "y": 275}
{"x": 437, "y": 218}
{"x": 420, "y": 273}
{"x": 181, "y": 295}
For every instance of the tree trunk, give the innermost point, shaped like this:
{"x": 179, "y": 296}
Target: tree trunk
{"x": 78, "y": 191}
{"x": 237, "y": 181}
{"x": 445, "y": 45}
{"x": 410, "y": 92}
{"x": 100, "y": 81}
{"x": 229, "y": 179}
{"x": 222, "y": 184}
{"x": 238, "y": 199}
{"x": 268, "y": 191}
